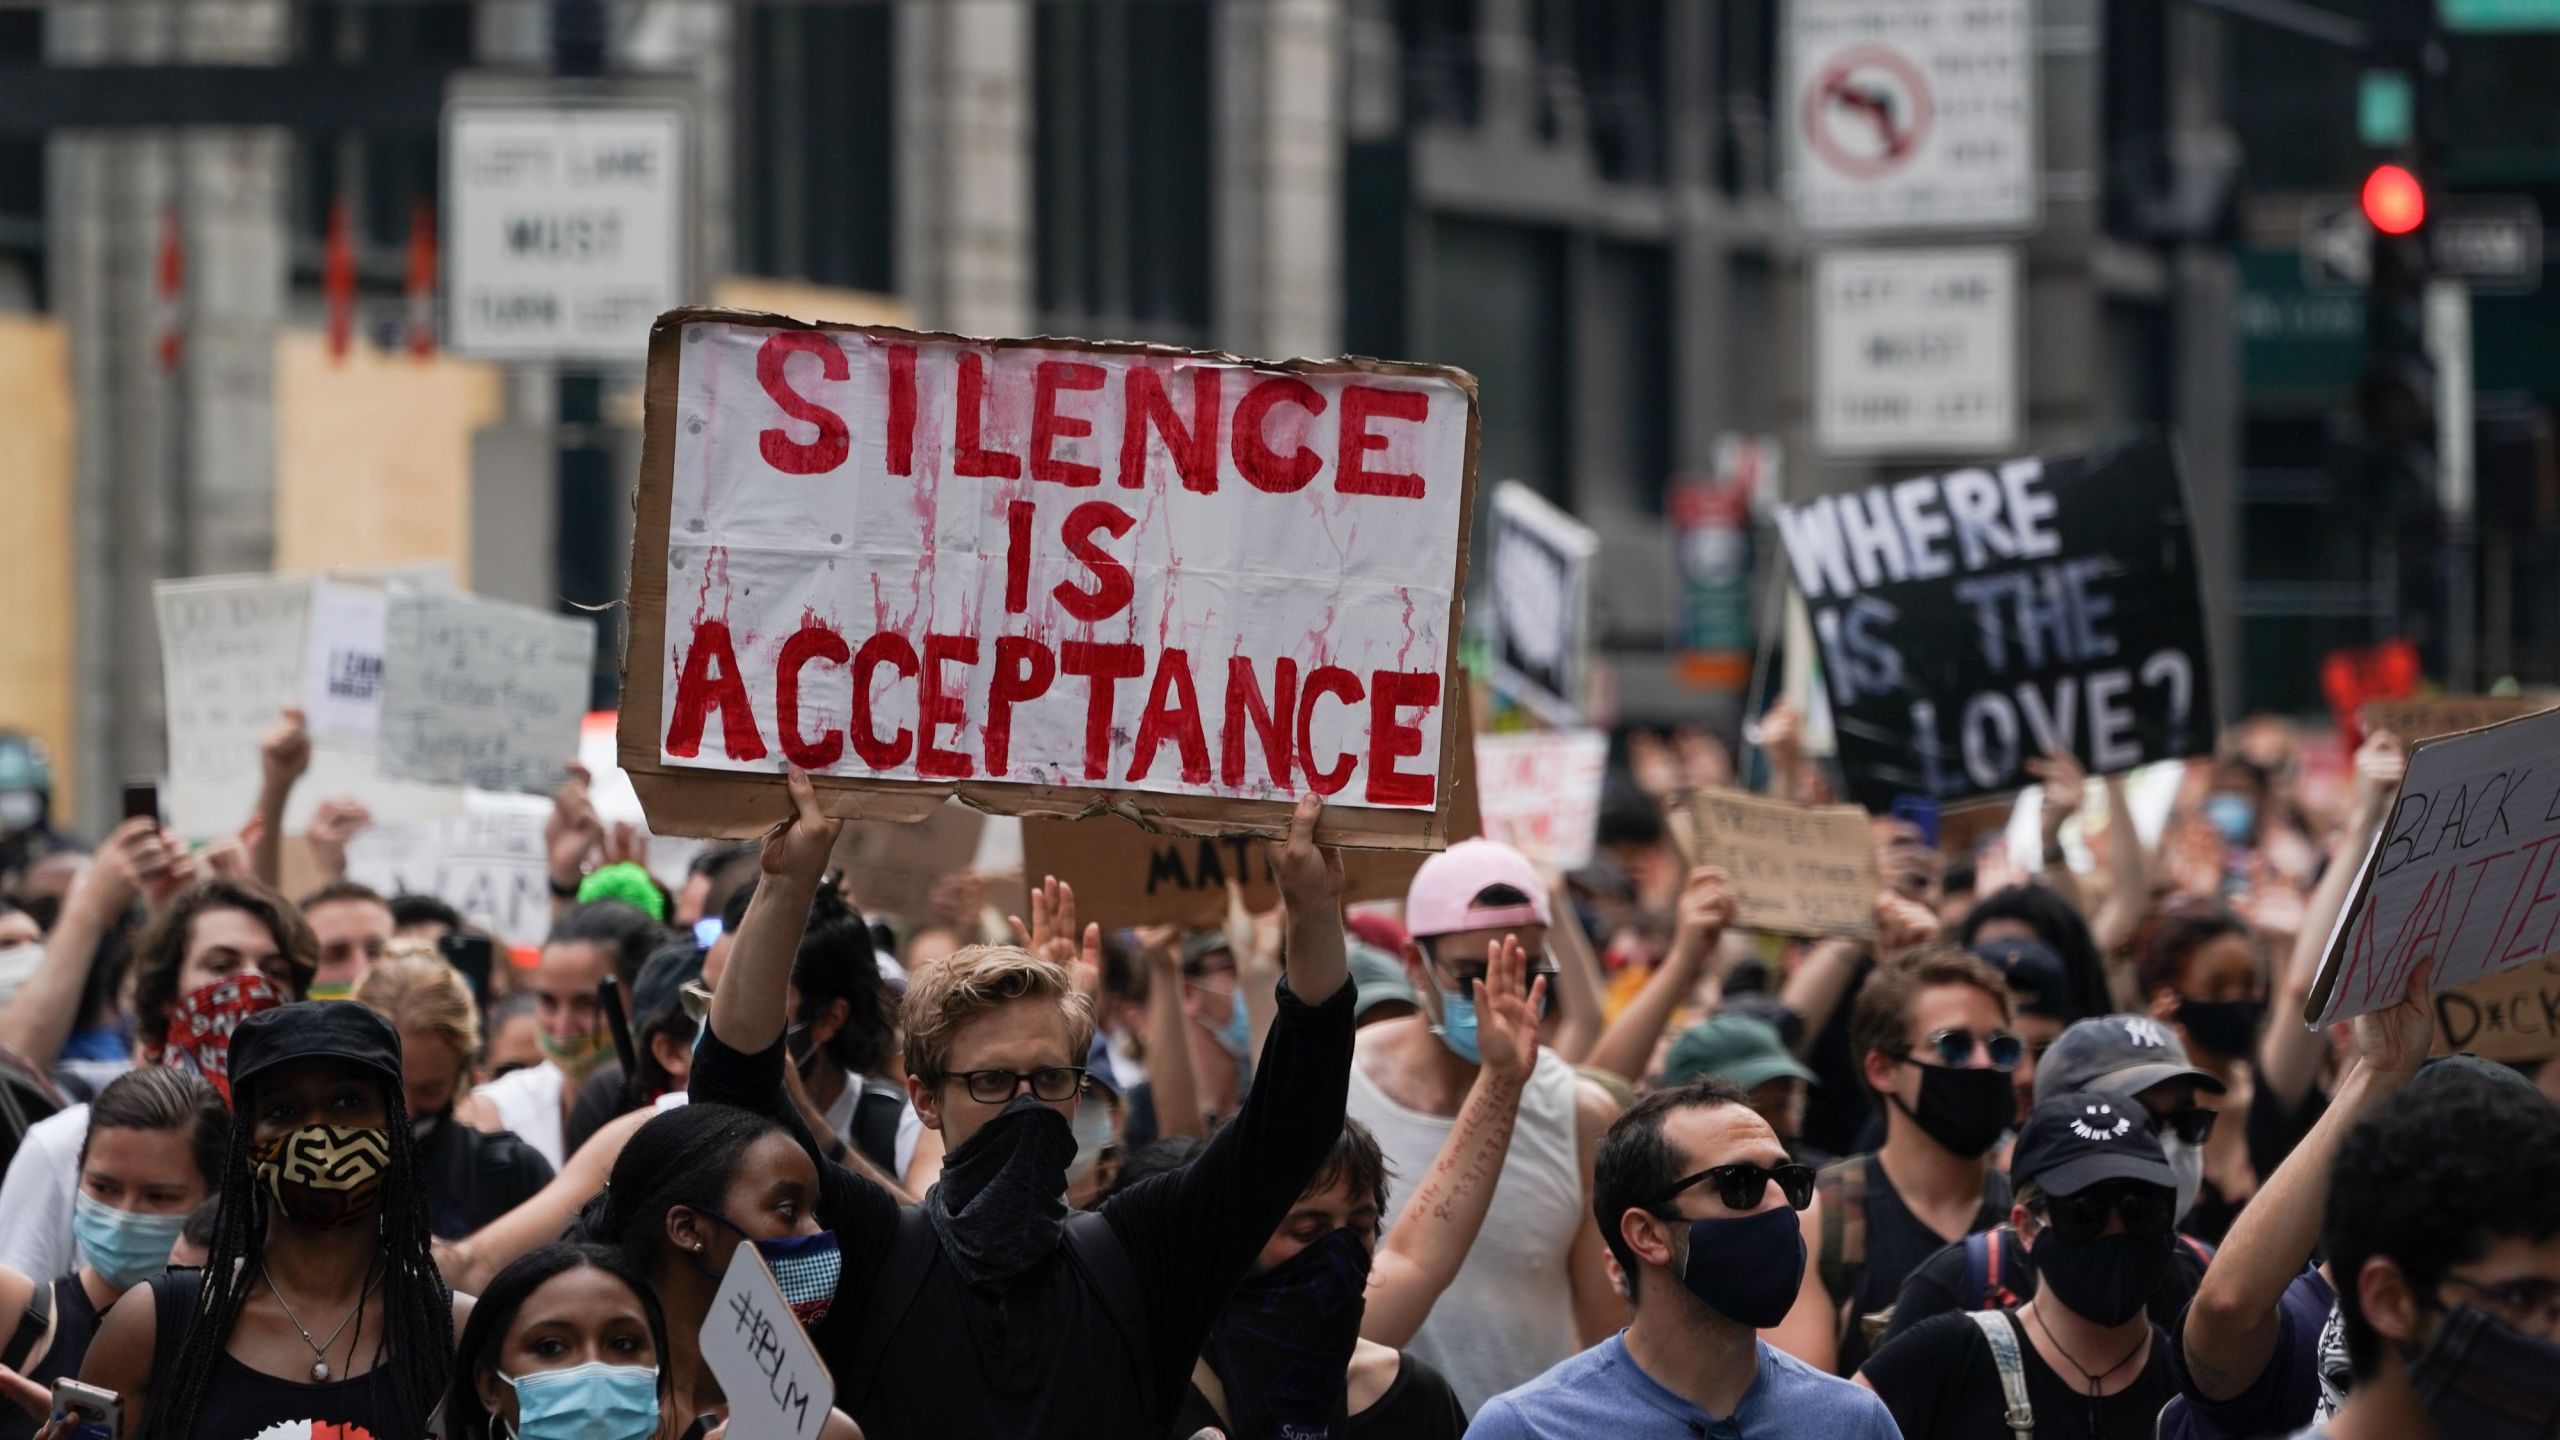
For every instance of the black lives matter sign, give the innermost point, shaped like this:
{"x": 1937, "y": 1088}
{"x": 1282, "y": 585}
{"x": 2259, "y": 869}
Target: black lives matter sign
{"x": 1970, "y": 621}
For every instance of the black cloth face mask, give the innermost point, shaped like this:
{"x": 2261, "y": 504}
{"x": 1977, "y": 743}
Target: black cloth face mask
{"x": 2106, "y": 1280}
{"x": 1001, "y": 1202}
{"x": 1282, "y": 1351}
{"x": 1963, "y": 1110}
{"x": 2483, "y": 1379}
{"x": 2228, "y": 1028}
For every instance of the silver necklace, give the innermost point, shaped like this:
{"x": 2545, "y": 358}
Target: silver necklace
{"x": 319, "y": 1348}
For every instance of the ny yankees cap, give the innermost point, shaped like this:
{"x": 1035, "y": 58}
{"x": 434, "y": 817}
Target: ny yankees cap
{"x": 2123, "y": 1054}
{"x": 314, "y": 1030}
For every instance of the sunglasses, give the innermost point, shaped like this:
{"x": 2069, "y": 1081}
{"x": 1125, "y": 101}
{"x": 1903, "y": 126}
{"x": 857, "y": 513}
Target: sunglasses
{"x": 1470, "y": 978}
{"x": 1955, "y": 1046}
{"x": 1740, "y": 1186}
{"x": 2147, "y": 1210}
{"x": 2194, "y": 1124}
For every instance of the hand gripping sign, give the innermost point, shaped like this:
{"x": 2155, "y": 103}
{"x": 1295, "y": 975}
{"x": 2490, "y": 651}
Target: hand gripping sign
{"x": 1050, "y": 577}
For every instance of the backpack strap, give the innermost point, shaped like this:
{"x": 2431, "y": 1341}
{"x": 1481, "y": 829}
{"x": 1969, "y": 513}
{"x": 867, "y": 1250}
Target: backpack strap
{"x": 33, "y": 1326}
{"x": 910, "y": 1260}
{"x": 1094, "y": 1248}
{"x": 2012, "y": 1365}
{"x": 1981, "y": 1269}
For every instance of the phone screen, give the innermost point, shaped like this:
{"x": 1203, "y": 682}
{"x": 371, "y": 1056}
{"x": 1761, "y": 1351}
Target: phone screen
{"x": 142, "y": 800}
{"x": 472, "y": 955}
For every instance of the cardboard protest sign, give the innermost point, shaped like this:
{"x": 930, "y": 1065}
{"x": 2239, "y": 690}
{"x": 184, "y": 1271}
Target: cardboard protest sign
{"x": 1794, "y": 869}
{"x": 2466, "y": 871}
{"x": 488, "y": 862}
{"x": 2415, "y": 720}
{"x": 1972, "y": 620}
{"x": 891, "y": 867}
{"x": 1046, "y": 576}
{"x": 1540, "y": 792}
{"x": 2514, "y": 1016}
{"x": 481, "y": 692}
{"x": 777, "y": 1387}
{"x": 1540, "y": 589}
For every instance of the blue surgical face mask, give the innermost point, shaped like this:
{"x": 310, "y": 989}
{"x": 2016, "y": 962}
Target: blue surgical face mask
{"x": 2234, "y": 815}
{"x": 1232, "y": 1036}
{"x": 1457, "y": 1027}
{"x": 126, "y": 1248}
{"x": 594, "y": 1401}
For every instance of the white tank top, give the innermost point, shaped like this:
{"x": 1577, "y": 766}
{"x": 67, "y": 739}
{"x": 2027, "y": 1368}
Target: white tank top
{"x": 1508, "y": 1317}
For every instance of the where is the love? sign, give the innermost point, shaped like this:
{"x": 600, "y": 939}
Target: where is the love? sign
{"x": 1048, "y": 576}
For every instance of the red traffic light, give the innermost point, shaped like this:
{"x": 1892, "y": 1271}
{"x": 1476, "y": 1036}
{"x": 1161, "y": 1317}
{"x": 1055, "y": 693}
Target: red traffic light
{"x": 2393, "y": 200}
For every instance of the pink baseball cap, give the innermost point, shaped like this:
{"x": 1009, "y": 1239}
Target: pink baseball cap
{"x": 1442, "y": 899}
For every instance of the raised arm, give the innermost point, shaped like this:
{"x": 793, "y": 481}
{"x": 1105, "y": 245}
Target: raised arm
{"x": 1422, "y": 1254}
{"x": 39, "y": 1017}
{"x": 1169, "y": 1079}
{"x": 1820, "y": 981}
{"x": 283, "y": 755}
{"x": 2063, "y": 785}
{"x": 1578, "y": 983}
{"x": 1311, "y": 897}
{"x": 471, "y": 1262}
{"x": 1254, "y": 941}
{"x": 747, "y": 1008}
{"x": 1706, "y": 908}
{"x": 2232, "y": 1324}
{"x": 2288, "y": 1053}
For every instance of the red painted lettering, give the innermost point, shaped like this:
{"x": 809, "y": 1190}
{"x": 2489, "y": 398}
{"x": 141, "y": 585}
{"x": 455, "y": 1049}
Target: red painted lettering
{"x": 773, "y": 360}
{"x": 1017, "y": 557}
{"x": 1343, "y": 685}
{"x": 1270, "y": 724}
{"x": 1391, "y": 738}
{"x": 937, "y": 707}
{"x": 902, "y": 410}
{"x": 1173, "y": 708}
{"x": 1361, "y": 403}
{"x": 1266, "y": 468}
{"x": 1024, "y": 668}
{"x": 809, "y": 642}
{"x": 1048, "y": 426}
{"x": 1104, "y": 666}
{"x": 710, "y": 681}
{"x": 890, "y": 649}
{"x": 968, "y": 458}
{"x": 1112, "y": 585}
{"x": 1194, "y": 449}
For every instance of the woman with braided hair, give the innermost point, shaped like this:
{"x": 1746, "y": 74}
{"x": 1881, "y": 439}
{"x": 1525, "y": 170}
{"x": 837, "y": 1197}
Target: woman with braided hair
{"x": 319, "y": 1310}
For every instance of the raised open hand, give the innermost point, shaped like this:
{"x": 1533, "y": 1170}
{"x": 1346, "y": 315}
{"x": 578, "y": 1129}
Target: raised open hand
{"x": 1507, "y": 1011}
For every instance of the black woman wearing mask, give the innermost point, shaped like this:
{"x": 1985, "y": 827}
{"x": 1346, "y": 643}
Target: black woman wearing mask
{"x": 2083, "y": 1360}
{"x": 2201, "y": 975}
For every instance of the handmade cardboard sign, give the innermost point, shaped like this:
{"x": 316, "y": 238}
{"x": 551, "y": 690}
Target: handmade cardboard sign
{"x": 2414, "y": 720}
{"x": 2514, "y": 1016}
{"x": 1050, "y": 577}
{"x": 778, "y": 1388}
{"x": 481, "y": 692}
{"x": 1970, "y": 621}
{"x": 1794, "y": 869}
{"x": 2466, "y": 872}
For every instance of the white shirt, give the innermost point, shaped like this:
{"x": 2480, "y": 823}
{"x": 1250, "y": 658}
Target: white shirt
{"x": 35, "y": 1199}
{"x": 528, "y": 1103}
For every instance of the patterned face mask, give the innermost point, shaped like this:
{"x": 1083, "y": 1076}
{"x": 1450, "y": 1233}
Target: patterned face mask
{"x": 200, "y": 1025}
{"x": 324, "y": 1177}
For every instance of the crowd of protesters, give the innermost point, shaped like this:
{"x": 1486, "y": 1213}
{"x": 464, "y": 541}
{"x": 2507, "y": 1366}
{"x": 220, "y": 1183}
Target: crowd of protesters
{"x": 1519, "y": 1153}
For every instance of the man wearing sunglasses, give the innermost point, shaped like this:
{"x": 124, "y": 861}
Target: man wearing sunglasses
{"x": 1537, "y": 1287}
{"x": 2082, "y": 1360}
{"x": 1698, "y": 1202}
{"x": 1931, "y": 1030}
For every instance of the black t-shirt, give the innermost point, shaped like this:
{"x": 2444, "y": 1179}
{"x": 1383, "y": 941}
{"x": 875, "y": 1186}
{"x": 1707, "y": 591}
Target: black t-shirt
{"x": 1941, "y": 1383}
{"x": 599, "y": 1103}
{"x": 75, "y": 1324}
{"x": 239, "y": 1403}
{"x": 1044, "y": 1359}
{"x": 1897, "y": 1244}
{"x": 472, "y": 1177}
{"x": 1944, "y": 1284}
{"x": 1418, "y": 1405}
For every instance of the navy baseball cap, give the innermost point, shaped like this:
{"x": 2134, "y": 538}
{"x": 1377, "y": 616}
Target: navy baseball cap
{"x": 2082, "y": 1138}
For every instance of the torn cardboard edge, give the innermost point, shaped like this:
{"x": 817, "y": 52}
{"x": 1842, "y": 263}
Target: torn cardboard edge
{"x": 730, "y": 804}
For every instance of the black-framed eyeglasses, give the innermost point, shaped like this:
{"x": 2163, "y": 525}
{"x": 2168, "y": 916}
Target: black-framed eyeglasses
{"x": 1470, "y": 978}
{"x": 1954, "y": 1047}
{"x": 2193, "y": 1124}
{"x": 2529, "y": 1302}
{"x": 2147, "y": 1210}
{"x": 1053, "y": 1083}
{"x": 1741, "y": 1185}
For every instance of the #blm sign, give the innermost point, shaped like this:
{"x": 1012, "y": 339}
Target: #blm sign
{"x": 2466, "y": 871}
{"x": 1795, "y": 869}
{"x": 1540, "y": 592}
{"x": 1970, "y": 621}
{"x": 1049, "y": 577}
{"x": 777, "y": 1387}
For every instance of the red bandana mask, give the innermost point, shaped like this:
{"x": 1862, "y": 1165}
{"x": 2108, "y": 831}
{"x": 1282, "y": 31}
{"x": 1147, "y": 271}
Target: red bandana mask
{"x": 200, "y": 1025}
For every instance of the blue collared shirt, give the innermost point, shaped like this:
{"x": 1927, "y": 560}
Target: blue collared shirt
{"x": 1604, "y": 1392}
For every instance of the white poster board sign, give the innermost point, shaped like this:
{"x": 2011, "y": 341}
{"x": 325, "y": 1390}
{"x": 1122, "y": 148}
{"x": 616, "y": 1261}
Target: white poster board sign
{"x": 1540, "y": 792}
{"x": 2466, "y": 871}
{"x": 1539, "y": 593}
{"x": 1911, "y": 114}
{"x": 487, "y": 862}
{"x": 564, "y": 227}
{"x": 342, "y": 662}
{"x": 482, "y": 693}
{"x": 778, "y": 1389}
{"x": 1916, "y": 351}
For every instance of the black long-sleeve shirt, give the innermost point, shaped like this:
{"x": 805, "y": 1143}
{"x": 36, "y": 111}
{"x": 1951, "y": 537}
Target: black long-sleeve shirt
{"x": 1043, "y": 1360}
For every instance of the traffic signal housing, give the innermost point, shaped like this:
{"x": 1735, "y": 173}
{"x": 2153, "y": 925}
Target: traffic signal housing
{"x": 2397, "y": 399}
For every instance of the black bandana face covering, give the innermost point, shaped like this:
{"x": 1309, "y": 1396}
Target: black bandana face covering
{"x": 1963, "y": 1110}
{"x": 1282, "y": 1351}
{"x": 2483, "y": 1379}
{"x": 1002, "y": 1198}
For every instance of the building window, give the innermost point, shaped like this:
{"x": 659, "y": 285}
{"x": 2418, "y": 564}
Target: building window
{"x": 816, "y": 144}
{"x": 1498, "y": 309}
{"x": 22, "y": 169}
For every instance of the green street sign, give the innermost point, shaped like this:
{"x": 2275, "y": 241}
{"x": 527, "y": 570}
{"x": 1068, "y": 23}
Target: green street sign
{"x": 2500, "y": 14}
{"x": 2384, "y": 108}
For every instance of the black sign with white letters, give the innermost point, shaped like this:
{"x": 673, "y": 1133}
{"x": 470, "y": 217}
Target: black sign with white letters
{"x": 1970, "y": 621}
